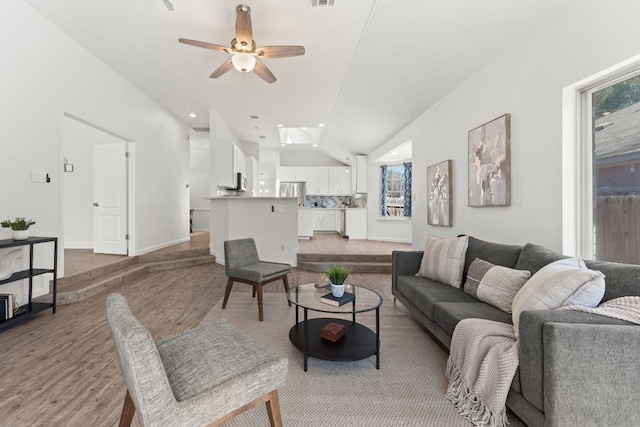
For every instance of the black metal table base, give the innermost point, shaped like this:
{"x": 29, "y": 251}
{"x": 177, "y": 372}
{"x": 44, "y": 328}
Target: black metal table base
{"x": 359, "y": 342}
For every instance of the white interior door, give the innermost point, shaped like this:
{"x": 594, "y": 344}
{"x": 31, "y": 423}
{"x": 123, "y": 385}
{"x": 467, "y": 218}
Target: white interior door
{"x": 110, "y": 198}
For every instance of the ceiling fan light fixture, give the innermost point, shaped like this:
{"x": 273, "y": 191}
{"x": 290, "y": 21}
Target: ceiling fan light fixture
{"x": 243, "y": 62}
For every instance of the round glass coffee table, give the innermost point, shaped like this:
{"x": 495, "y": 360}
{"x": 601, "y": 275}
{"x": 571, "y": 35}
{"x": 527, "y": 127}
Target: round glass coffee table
{"x": 358, "y": 342}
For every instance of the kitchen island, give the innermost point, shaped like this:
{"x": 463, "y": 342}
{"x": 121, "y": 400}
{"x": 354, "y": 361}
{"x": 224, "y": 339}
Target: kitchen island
{"x": 271, "y": 221}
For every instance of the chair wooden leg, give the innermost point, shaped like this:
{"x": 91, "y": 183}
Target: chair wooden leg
{"x": 285, "y": 280}
{"x": 227, "y": 292}
{"x": 255, "y": 290}
{"x": 129, "y": 410}
{"x": 260, "y": 314}
{"x": 273, "y": 408}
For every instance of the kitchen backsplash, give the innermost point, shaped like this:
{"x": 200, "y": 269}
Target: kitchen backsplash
{"x": 335, "y": 201}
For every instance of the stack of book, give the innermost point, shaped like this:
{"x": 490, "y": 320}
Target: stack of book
{"x": 338, "y": 301}
{"x": 6, "y": 306}
{"x": 332, "y": 331}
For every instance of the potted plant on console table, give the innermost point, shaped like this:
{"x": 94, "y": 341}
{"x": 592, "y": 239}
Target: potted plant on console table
{"x": 19, "y": 227}
{"x": 337, "y": 274}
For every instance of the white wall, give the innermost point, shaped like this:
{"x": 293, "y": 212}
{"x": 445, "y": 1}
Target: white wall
{"x": 199, "y": 166}
{"x": 527, "y": 82}
{"x": 306, "y": 158}
{"x": 44, "y": 74}
{"x": 271, "y": 222}
{"x": 387, "y": 229}
{"x": 78, "y": 141}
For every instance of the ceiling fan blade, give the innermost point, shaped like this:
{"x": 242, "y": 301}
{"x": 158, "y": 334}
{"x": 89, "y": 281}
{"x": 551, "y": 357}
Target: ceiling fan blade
{"x": 244, "y": 33}
{"x": 264, "y": 73}
{"x": 280, "y": 51}
{"x": 204, "y": 44}
{"x": 222, "y": 69}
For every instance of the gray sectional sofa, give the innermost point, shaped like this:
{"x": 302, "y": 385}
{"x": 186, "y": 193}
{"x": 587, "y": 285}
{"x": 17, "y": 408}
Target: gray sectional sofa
{"x": 576, "y": 368}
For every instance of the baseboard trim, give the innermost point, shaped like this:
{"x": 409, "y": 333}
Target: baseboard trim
{"x": 389, "y": 239}
{"x": 162, "y": 246}
{"x": 78, "y": 245}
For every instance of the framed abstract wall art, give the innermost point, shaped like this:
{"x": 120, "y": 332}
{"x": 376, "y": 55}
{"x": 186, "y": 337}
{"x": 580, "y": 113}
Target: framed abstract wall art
{"x": 489, "y": 163}
{"x": 439, "y": 197}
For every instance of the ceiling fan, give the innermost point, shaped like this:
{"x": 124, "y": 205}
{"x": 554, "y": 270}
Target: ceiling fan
{"x": 244, "y": 51}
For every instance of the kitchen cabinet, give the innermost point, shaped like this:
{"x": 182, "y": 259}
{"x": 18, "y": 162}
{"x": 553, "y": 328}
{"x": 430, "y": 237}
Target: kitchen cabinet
{"x": 305, "y": 223}
{"x": 324, "y": 219}
{"x": 293, "y": 174}
{"x": 231, "y": 162}
{"x": 318, "y": 181}
{"x": 225, "y": 164}
{"x": 355, "y": 221}
{"x": 360, "y": 175}
{"x": 339, "y": 181}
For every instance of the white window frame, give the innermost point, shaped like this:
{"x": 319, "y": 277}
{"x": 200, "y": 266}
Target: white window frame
{"x": 577, "y": 156}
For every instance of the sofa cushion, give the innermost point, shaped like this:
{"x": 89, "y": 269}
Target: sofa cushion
{"x": 495, "y": 253}
{"x": 425, "y": 293}
{"x": 564, "y": 282}
{"x": 621, "y": 279}
{"x": 500, "y": 285}
{"x": 448, "y": 314}
{"x": 443, "y": 260}
{"x": 533, "y": 257}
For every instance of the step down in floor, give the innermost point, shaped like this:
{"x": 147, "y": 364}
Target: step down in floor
{"x": 357, "y": 263}
{"x": 86, "y": 284}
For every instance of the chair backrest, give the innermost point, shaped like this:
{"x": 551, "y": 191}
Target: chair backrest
{"x": 139, "y": 362}
{"x": 238, "y": 253}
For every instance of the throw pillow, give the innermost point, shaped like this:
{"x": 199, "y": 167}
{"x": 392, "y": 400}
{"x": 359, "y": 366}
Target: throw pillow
{"x": 564, "y": 282}
{"x": 477, "y": 269}
{"x": 500, "y": 285}
{"x": 443, "y": 260}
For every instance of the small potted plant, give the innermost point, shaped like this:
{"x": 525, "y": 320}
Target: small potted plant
{"x": 19, "y": 227}
{"x": 337, "y": 274}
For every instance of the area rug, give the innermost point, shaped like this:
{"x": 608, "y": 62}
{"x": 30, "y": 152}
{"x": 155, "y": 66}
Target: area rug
{"x": 408, "y": 390}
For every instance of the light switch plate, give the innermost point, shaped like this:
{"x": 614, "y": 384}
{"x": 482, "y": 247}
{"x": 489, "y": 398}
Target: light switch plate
{"x": 38, "y": 176}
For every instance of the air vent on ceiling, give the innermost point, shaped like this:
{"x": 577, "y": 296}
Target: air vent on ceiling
{"x": 160, "y": 6}
{"x": 201, "y": 129}
{"x": 321, "y": 3}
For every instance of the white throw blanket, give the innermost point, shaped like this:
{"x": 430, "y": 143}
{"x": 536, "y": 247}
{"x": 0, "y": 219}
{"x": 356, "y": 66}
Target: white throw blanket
{"x": 624, "y": 308}
{"x": 482, "y": 362}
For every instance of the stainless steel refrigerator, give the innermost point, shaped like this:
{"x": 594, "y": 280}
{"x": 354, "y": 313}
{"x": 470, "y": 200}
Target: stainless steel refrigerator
{"x": 294, "y": 189}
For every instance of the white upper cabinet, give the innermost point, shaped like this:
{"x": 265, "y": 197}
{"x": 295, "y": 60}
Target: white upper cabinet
{"x": 293, "y": 173}
{"x": 321, "y": 180}
{"x": 339, "y": 181}
{"x": 225, "y": 163}
{"x": 359, "y": 179}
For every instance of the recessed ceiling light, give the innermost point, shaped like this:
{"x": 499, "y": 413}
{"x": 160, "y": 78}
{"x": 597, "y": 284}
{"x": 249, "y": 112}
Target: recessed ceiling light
{"x": 192, "y": 115}
{"x": 320, "y": 125}
{"x": 394, "y": 153}
{"x": 280, "y": 125}
{"x": 315, "y": 145}
{"x": 282, "y": 145}
{"x": 303, "y": 128}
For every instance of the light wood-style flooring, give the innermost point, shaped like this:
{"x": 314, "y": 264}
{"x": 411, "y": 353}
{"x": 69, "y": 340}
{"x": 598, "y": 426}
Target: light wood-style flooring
{"x": 61, "y": 370}
{"x": 332, "y": 243}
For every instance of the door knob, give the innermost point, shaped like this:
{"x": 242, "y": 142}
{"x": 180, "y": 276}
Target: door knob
{"x": 96, "y": 204}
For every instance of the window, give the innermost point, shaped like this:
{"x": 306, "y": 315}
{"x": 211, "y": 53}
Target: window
{"x": 611, "y": 186}
{"x": 395, "y": 194}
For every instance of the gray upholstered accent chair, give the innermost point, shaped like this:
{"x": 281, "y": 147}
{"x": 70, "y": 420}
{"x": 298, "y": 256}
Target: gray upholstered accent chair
{"x": 242, "y": 264}
{"x": 204, "y": 376}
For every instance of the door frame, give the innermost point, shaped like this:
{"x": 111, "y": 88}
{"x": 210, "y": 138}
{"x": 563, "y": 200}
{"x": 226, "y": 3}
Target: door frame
{"x": 130, "y": 177}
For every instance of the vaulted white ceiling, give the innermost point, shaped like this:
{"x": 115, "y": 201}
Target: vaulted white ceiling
{"x": 370, "y": 68}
